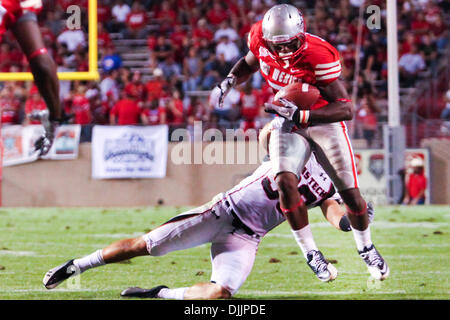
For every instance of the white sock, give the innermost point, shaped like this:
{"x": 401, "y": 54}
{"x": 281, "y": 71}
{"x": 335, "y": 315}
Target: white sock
{"x": 177, "y": 293}
{"x": 305, "y": 239}
{"x": 362, "y": 238}
{"x": 93, "y": 260}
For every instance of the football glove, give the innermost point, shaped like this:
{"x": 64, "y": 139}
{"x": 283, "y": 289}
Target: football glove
{"x": 225, "y": 87}
{"x": 288, "y": 110}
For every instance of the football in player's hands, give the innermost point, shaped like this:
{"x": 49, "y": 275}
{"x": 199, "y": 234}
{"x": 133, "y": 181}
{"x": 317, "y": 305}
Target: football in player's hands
{"x": 303, "y": 95}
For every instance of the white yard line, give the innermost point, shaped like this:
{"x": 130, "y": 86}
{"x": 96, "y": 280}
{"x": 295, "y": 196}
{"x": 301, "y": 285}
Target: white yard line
{"x": 391, "y": 225}
{"x": 56, "y": 290}
{"x": 113, "y": 235}
{"x": 17, "y": 253}
{"x": 300, "y": 293}
{"x": 380, "y": 245}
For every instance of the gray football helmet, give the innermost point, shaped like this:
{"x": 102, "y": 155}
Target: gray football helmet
{"x": 283, "y": 24}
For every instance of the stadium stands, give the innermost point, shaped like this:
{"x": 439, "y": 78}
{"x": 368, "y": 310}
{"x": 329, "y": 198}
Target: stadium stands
{"x": 194, "y": 48}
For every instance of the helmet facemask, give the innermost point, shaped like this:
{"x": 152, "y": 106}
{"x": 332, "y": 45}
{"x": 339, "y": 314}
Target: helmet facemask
{"x": 283, "y": 30}
{"x": 287, "y": 49}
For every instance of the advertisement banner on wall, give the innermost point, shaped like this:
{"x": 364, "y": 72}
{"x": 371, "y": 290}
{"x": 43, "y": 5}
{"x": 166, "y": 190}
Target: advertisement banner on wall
{"x": 65, "y": 146}
{"x": 18, "y": 142}
{"x": 370, "y": 166}
{"x": 18, "y": 145}
{"x": 129, "y": 151}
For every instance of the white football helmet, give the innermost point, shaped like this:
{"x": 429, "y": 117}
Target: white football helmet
{"x": 283, "y": 29}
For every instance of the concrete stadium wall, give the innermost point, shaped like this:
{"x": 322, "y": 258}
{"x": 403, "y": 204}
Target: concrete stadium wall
{"x": 69, "y": 183}
{"x": 440, "y": 169}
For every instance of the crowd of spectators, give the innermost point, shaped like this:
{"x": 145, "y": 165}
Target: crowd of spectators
{"x": 193, "y": 44}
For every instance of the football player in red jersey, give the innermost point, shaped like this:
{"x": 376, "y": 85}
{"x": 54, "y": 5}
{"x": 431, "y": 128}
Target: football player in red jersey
{"x": 21, "y": 19}
{"x": 283, "y": 52}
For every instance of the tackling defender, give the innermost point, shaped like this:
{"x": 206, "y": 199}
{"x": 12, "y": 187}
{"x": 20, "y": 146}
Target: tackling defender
{"x": 20, "y": 18}
{"x": 284, "y": 53}
{"x": 234, "y": 222}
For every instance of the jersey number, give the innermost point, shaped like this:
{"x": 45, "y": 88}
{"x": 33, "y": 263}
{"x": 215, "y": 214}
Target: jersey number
{"x": 274, "y": 195}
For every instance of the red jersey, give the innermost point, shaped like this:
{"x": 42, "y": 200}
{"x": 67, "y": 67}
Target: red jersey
{"x": 81, "y": 109}
{"x": 416, "y": 183}
{"x": 67, "y": 3}
{"x": 155, "y": 89}
{"x": 318, "y": 64}
{"x": 10, "y": 11}
{"x": 250, "y": 105}
{"x": 154, "y": 115}
{"x": 136, "y": 19}
{"x": 136, "y": 90}
{"x": 126, "y": 111}
{"x": 104, "y": 40}
{"x": 103, "y": 13}
{"x": 173, "y": 118}
{"x": 216, "y": 17}
{"x": 31, "y": 105}
{"x": 10, "y": 108}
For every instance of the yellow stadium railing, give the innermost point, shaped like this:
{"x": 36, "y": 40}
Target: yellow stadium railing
{"x": 92, "y": 74}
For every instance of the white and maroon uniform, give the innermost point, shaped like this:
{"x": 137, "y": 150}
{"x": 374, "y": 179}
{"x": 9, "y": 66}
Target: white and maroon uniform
{"x": 233, "y": 222}
{"x": 318, "y": 64}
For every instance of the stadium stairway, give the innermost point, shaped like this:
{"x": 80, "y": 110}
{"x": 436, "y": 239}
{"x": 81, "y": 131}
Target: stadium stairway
{"x": 134, "y": 53}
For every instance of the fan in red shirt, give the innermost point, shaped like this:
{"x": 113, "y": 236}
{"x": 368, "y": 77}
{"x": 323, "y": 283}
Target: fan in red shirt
{"x": 103, "y": 12}
{"x": 136, "y": 21}
{"x": 419, "y": 25}
{"x": 197, "y": 111}
{"x": 5, "y": 54}
{"x": 33, "y": 103}
{"x": 153, "y": 113}
{"x": 367, "y": 119}
{"x": 166, "y": 14}
{"x": 9, "y": 106}
{"x": 79, "y": 106}
{"x": 135, "y": 88}
{"x": 125, "y": 112}
{"x": 416, "y": 184}
{"x": 174, "y": 109}
{"x": 67, "y": 3}
{"x": 250, "y": 106}
{"x": 178, "y": 35}
{"x": 103, "y": 38}
{"x": 101, "y": 113}
{"x": 155, "y": 87}
{"x": 202, "y": 31}
{"x": 217, "y": 14}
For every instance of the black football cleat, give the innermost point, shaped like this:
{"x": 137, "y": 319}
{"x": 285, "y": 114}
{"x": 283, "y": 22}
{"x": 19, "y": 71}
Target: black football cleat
{"x": 57, "y": 275}
{"x": 136, "y": 292}
{"x": 344, "y": 224}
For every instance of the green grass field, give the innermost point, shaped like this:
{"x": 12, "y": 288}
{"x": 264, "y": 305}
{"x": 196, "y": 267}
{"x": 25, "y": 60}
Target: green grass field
{"x": 415, "y": 241}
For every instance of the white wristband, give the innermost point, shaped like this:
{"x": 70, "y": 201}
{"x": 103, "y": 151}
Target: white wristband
{"x": 303, "y": 116}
